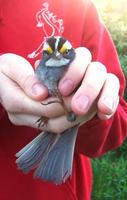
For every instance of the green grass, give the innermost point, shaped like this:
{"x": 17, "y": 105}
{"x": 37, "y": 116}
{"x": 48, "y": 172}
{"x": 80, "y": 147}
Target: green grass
{"x": 110, "y": 171}
{"x": 109, "y": 177}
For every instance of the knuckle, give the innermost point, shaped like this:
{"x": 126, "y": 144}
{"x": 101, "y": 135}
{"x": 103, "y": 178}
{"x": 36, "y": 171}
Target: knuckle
{"x": 104, "y": 116}
{"x": 98, "y": 66}
{"x": 83, "y": 50}
{"x": 84, "y": 54}
{"x": 52, "y": 108}
{"x": 87, "y": 53}
{"x": 113, "y": 77}
{"x": 12, "y": 105}
{"x": 26, "y": 82}
{"x": 55, "y": 127}
{"x": 13, "y": 119}
{"x": 114, "y": 83}
{"x": 92, "y": 89}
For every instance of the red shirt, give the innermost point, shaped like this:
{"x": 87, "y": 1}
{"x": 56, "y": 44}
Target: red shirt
{"x": 23, "y": 27}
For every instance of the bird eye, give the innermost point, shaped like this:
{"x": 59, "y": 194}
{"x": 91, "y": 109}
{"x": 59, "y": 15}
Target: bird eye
{"x": 46, "y": 53}
{"x": 66, "y": 52}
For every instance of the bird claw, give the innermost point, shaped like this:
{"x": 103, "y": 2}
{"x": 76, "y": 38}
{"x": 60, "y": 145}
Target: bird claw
{"x": 71, "y": 116}
{"x": 42, "y": 121}
{"x": 50, "y": 102}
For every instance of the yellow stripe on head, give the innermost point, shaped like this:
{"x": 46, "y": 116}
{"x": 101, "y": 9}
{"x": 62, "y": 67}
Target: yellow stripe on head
{"x": 63, "y": 49}
{"x": 49, "y": 50}
{"x": 66, "y": 46}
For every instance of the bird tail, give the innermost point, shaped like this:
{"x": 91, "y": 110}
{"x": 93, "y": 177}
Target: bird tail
{"x": 50, "y": 154}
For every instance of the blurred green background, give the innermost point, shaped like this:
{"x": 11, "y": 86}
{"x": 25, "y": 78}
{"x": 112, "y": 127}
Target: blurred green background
{"x": 110, "y": 171}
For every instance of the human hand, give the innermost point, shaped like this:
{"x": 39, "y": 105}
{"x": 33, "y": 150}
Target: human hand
{"x": 97, "y": 86}
{"x": 98, "y": 92}
{"x": 21, "y": 93}
{"x": 20, "y": 90}
{"x": 27, "y": 112}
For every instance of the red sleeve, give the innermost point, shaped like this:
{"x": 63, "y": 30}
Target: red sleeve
{"x": 96, "y": 137}
{"x": 2, "y": 112}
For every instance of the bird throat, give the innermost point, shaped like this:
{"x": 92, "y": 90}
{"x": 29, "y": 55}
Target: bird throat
{"x": 52, "y": 62}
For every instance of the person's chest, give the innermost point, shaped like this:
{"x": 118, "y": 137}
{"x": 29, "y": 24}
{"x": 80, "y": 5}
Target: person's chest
{"x": 24, "y": 26}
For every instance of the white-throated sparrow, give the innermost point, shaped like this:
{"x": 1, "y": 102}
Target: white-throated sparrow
{"x": 50, "y": 154}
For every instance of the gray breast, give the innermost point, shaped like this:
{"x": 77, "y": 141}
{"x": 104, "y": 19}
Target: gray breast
{"x": 50, "y": 76}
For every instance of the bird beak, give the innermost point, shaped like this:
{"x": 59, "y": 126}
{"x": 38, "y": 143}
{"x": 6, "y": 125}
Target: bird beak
{"x": 57, "y": 55}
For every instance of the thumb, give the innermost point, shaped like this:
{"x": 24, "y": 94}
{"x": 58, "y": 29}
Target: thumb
{"x": 19, "y": 70}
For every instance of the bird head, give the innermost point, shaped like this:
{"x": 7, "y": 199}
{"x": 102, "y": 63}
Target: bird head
{"x": 57, "y": 52}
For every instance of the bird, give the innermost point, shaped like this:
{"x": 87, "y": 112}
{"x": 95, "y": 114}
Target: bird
{"x": 50, "y": 155}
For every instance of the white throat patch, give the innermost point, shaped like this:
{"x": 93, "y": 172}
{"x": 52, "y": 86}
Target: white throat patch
{"x": 57, "y": 63}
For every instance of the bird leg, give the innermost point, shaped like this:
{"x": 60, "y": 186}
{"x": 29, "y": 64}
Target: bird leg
{"x": 42, "y": 121}
{"x": 50, "y": 102}
{"x": 71, "y": 116}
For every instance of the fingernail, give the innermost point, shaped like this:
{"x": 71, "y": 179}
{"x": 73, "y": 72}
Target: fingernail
{"x": 82, "y": 103}
{"x": 37, "y": 89}
{"x": 108, "y": 101}
{"x": 66, "y": 87}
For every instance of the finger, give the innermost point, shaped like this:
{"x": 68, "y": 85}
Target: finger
{"x": 36, "y": 63}
{"x": 109, "y": 98}
{"x": 14, "y": 100}
{"x": 60, "y": 124}
{"x": 90, "y": 88}
{"x": 75, "y": 72}
{"x": 55, "y": 125}
{"x": 24, "y": 120}
{"x": 104, "y": 115}
{"x": 19, "y": 70}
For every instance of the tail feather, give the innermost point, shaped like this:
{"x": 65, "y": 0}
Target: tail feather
{"x": 30, "y": 156}
{"x": 51, "y": 168}
{"x": 57, "y": 165}
{"x": 24, "y": 149}
{"x": 51, "y": 154}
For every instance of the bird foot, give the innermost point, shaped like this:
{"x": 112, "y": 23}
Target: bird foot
{"x": 50, "y": 102}
{"x": 42, "y": 122}
{"x": 71, "y": 117}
